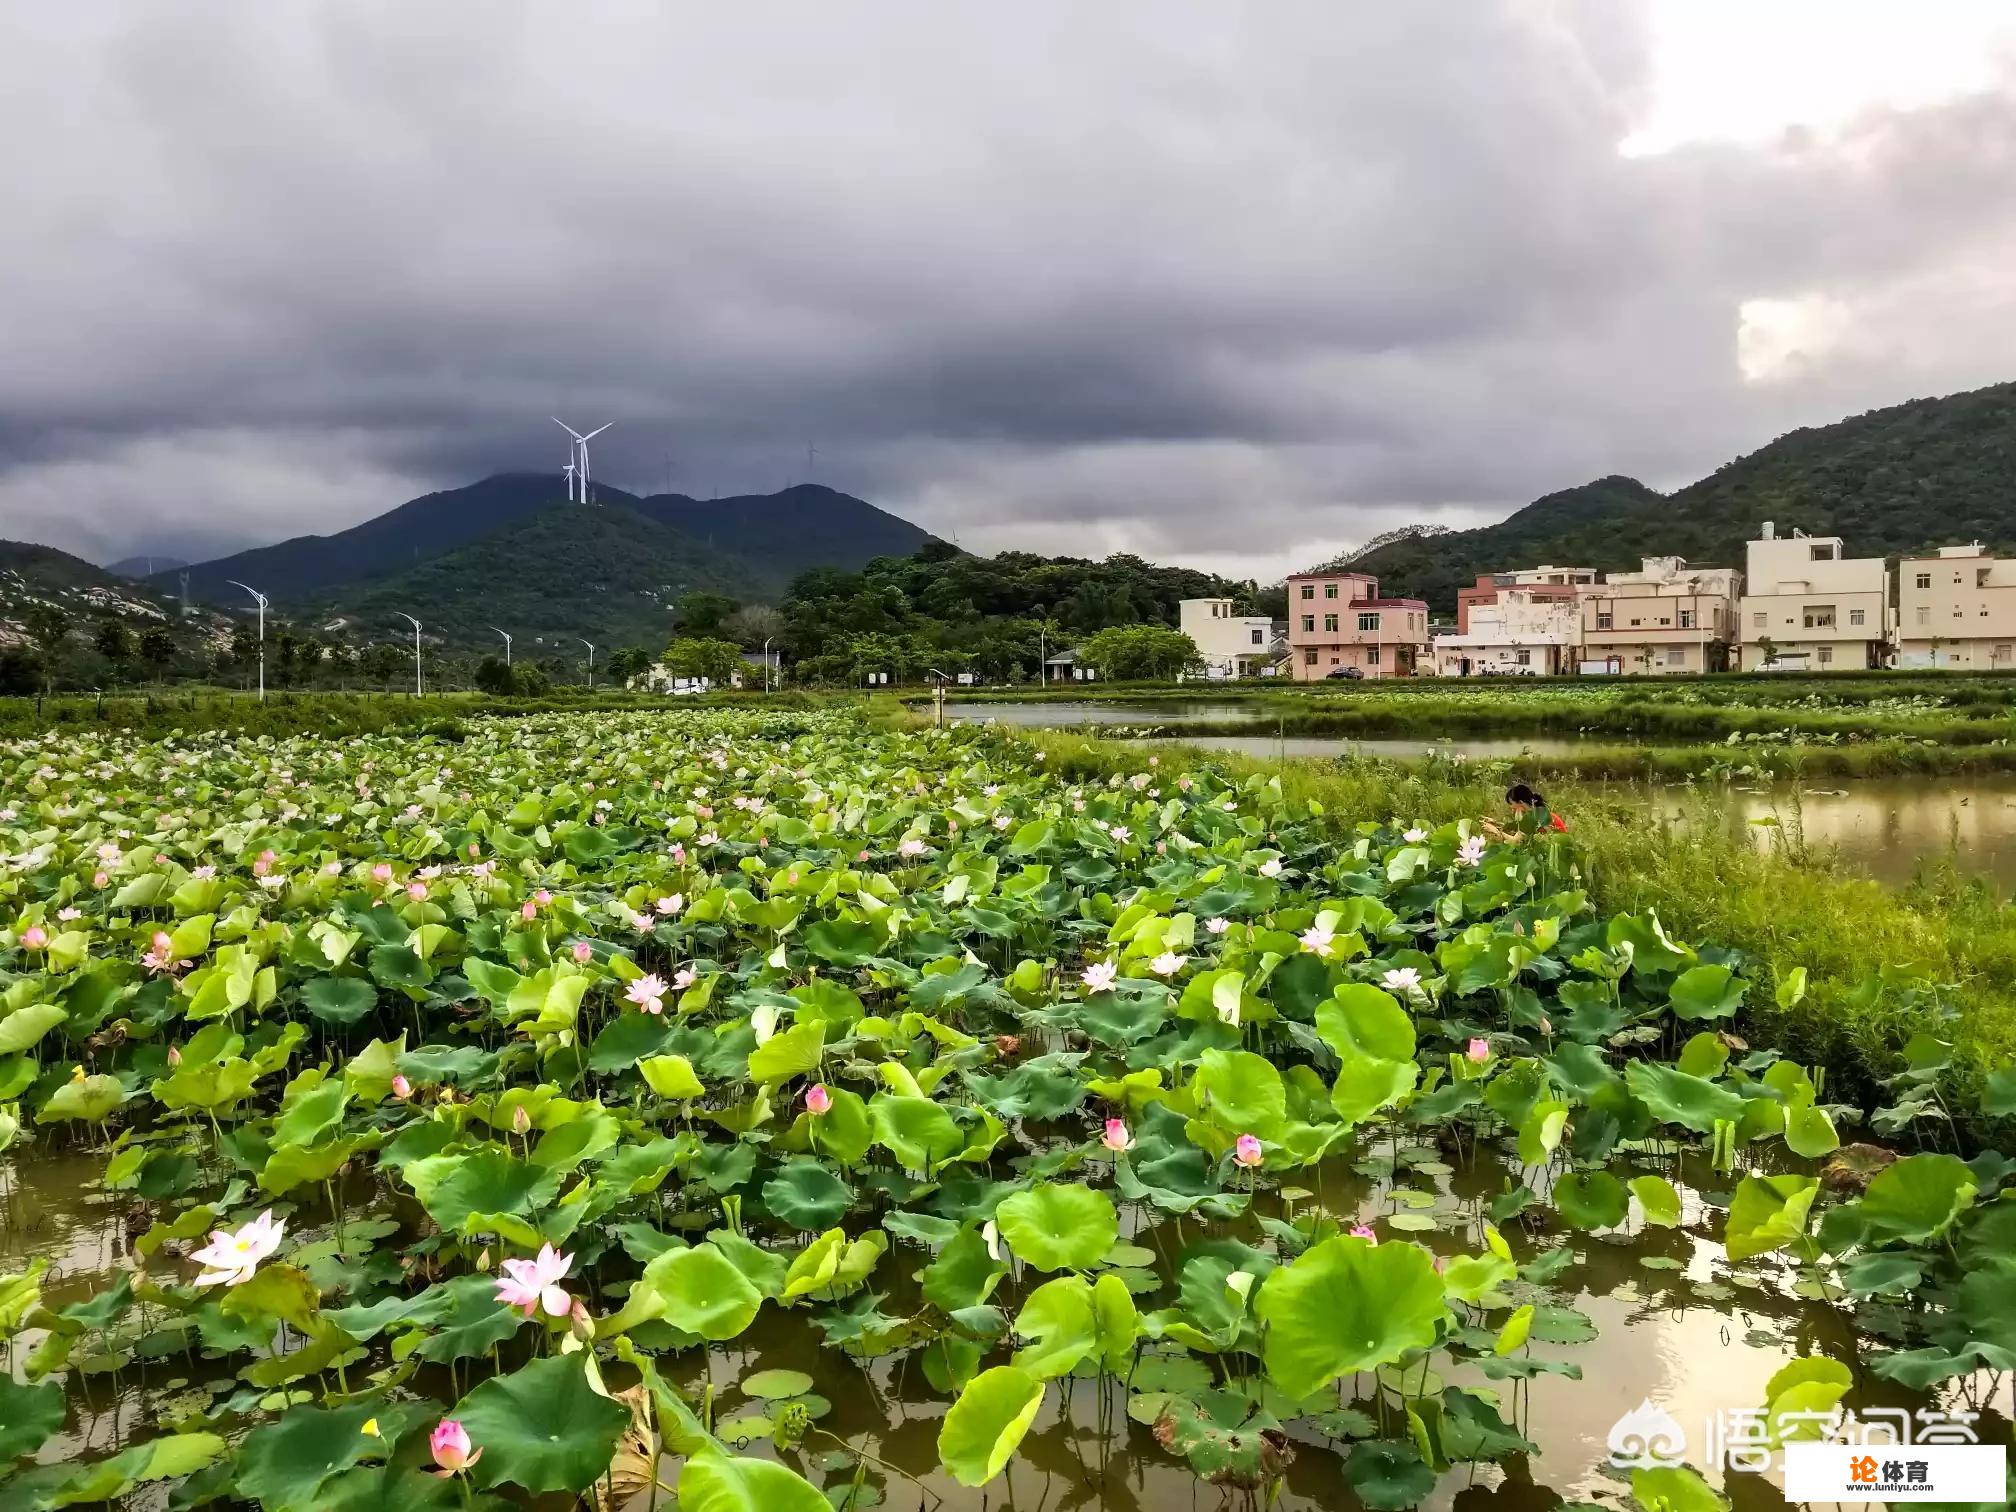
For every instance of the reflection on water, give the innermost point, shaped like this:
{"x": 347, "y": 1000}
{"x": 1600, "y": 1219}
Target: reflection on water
{"x": 1674, "y": 1323}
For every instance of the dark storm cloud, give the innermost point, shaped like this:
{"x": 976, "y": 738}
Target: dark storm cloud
{"x": 1232, "y": 285}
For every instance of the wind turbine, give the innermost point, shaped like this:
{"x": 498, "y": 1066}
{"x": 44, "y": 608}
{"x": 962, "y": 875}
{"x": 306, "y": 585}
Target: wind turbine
{"x": 581, "y": 451}
{"x": 262, "y": 623}
{"x": 568, "y": 471}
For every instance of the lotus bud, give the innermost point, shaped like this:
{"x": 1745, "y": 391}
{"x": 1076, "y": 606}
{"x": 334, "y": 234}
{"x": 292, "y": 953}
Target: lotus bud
{"x": 401, "y": 1087}
{"x": 521, "y": 1121}
{"x": 174, "y": 1056}
{"x": 1478, "y": 1052}
{"x": 34, "y": 937}
{"x": 818, "y": 1101}
{"x": 1247, "y": 1151}
{"x": 451, "y": 1447}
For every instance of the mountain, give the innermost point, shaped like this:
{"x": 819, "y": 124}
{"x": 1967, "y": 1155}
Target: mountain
{"x": 781, "y": 535}
{"x": 606, "y": 572}
{"x": 1925, "y": 473}
{"x": 774, "y": 536}
{"x": 36, "y": 577}
{"x": 145, "y": 566}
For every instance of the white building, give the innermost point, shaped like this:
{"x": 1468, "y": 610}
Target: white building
{"x": 1517, "y": 633}
{"x": 1957, "y": 608}
{"x": 1669, "y": 617}
{"x": 1231, "y": 645}
{"x": 1811, "y": 608}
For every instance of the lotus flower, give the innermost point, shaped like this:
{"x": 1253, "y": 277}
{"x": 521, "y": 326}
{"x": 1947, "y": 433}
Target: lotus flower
{"x": 1271, "y": 867}
{"x": 1402, "y": 979}
{"x": 670, "y": 905}
{"x": 533, "y": 1285}
{"x": 1167, "y": 964}
{"x": 991, "y": 1237}
{"x": 1364, "y": 1231}
{"x": 583, "y": 952}
{"x": 1217, "y": 926}
{"x": 1119, "y": 834}
{"x": 648, "y": 993}
{"x": 1116, "y": 1138}
{"x": 401, "y": 1087}
{"x": 452, "y": 1450}
{"x": 161, "y": 954}
{"x": 683, "y": 978}
{"x": 232, "y": 1257}
{"x": 1478, "y": 1051}
{"x": 911, "y": 847}
{"x": 818, "y": 1101}
{"x": 1247, "y": 1151}
{"x": 417, "y": 891}
{"x": 1415, "y": 835}
{"x": 1317, "y": 940}
{"x": 34, "y": 937}
{"x": 1100, "y": 976}
{"x": 381, "y": 873}
{"x": 1471, "y": 851}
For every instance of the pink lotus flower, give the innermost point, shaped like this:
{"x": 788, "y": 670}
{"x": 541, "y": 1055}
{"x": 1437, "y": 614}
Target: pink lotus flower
{"x": 451, "y": 1447}
{"x": 1364, "y": 1231}
{"x": 529, "y": 911}
{"x": 1247, "y": 1151}
{"x": 381, "y": 873}
{"x": 1415, "y": 835}
{"x": 818, "y": 1101}
{"x": 1116, "y": 1138}
{"x": 1471, "y": 851}
{"x": 203, "y": 873}
{"x": 911, "y": 847}
{"x": 233, "y": 1256}
{"x": 401, "y": 1088}
{"x": 34, "y": 937}
{"x": 583, "y": 952}
{"x": 534, "y": 1285}
{"x": 1119, "y": 834}
{"x": 417, "y": 891}
{"x": 542, "y": 897}
{"x": 1100, "y": 976}
{"x": 648, "y": 993}
{"x": 1478, "y": 1051}
{"x": 668, "y": 906}
{"x": 683, "y": 978}
{"x": 161, "y": 957}
{"x": 99, "y": 879}
{"x": 1317, "y": 940}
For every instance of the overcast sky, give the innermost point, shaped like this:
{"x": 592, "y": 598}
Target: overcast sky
{"x": 1233, "y": 285}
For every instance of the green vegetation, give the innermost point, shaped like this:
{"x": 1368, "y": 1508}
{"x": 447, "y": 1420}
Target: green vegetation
{"x": 1928, "y": 473}
{"x": 996, "y": 616}
{"x": 513, "y": 1070}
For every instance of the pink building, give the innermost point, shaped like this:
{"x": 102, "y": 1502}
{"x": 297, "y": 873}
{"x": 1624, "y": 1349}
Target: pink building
{"x": 1339, "y": 626}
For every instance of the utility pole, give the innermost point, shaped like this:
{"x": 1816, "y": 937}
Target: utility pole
{"x": 766, "y": 662}
{"x": 261, "y": 598}
{"x": 417, "y": 686}
{"x": 507, "y": 645}
{"x": 591, "y": 662}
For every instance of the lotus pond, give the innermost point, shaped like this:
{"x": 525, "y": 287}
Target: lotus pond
{"x": 733, "y": 1110}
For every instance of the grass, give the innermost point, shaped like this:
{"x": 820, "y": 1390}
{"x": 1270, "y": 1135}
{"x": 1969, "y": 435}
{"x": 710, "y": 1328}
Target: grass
{"x": 1786, "y": 907}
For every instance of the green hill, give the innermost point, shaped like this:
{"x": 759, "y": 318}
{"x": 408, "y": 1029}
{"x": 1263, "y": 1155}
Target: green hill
{"x": 605, "y": 572}
{"x": 1929, "y": 472}
{"x": 37, "y": 577}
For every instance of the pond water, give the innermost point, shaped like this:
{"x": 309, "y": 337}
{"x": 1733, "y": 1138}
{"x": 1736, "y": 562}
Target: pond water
{"x": 1656, "y": 1314}
{"x": 1067, "y": 715}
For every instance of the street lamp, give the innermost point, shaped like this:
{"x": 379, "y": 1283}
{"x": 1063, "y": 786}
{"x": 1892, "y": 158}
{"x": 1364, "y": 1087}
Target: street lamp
{"x": 416, "y": 648}
{"x": 262, "y": 630}
{"x": 507, "y": 644}
{"x": 942, "y": 680}
{"x": 591, "y": 662}
{"x": 766, "y": 661}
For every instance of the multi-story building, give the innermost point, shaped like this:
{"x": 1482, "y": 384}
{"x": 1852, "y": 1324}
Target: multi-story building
{"x": 1957, "y": 609}
{"x": 1567, "y": 583}
{"x": 1806, "y": 607}
{"x": 1519, "y": 632}
{"x": 1667, "y": 618}
{"x": 1232, "y": 645}
{"x": 1337, "y": 621}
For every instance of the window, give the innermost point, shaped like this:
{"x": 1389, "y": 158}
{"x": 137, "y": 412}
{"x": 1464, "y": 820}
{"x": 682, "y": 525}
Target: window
{"x": 1371, "y": 656}
{"x": 1259, "y": 638}
{"x": 1309, "y": 657}
{"x": 1603, "y": 621}
{"x": 1308, "y": 622}
{"x": 1762, "y": 619}
{"x": 1665, "y": 619}
{"x": 1980, "y": 577}
{"x": 1368, "y": 622}
{"x": 1819, "y": 616}
{"x": 1924, "y": 614}
{"x": 1855, "y": 616}
{"x": 1634, "y": 622}
{"x": 1523, "y": 657}
{"x": 1329, "y": 590}
{"x": 1676, "y": 656}
{"x": 1822, "y": 553}
{"x": 1335, "y": 660}
{"x": 1308, "y": 590}
{"x": 1686, "y": 619}
{"x": 1826, "y": 655}
{"x": 1330, "y": 622}
{"x": 1924, "y": 580}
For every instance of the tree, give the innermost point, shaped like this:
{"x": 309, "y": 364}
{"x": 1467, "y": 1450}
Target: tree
{"x": 112, "y": 641}
{"x": 701, "y": 614}
{"x": 50, "y": 625}
{"x": 494, "y": 677}
{"x": 753, "y": 624}
{"x": 157, "y": 649}
{"x": 383, "y": 662}
{"x": 1767, "y": 651}
{"x": 703, "y": 656}
{"x": 628, "y": 662}
{"x": 1128, "y": 653}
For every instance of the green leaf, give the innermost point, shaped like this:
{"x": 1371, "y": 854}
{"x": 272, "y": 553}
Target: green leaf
{"x": 1706, "y": 992}
{"x": 28, "y": 1415}
{"x": 1058, "y": 1227}
{"x": 282, "y": 1465}
{"x": 1241, "y": 1091}
{"x": 1347, "y": 1305}
{"x": 89, "y": 1101}
{"x": 1388, "y": 1474}
{"x": 670, "y": 1076}
{"x": 807, "y": 1196}
{"x": 919, "y": 1133}
{"x": 275, "y": 1291}
{"x": 1768, "y": 1213}
{"x": 712, "y": 1481}
{"x": 787, "y": 1053}
{"x": 964, "y": 1274}
{"x": 776, "y": 1384}
{"x": 1591, "y": 1199}
{"x": 986, "y": 1425}
{"x": 1917, "y": 1198}
{"x": 1058, "y": 1317}
{"x": 1675, "y": 1097}
{"x": 543, "y": 1426}
{"x": 22, "y": 1028}
{"x": 1674, "y": 1488}
{"x": 699, "y": 1290}
{"x": 1659, "y": 1200}
{"x": 339, "y": 1000}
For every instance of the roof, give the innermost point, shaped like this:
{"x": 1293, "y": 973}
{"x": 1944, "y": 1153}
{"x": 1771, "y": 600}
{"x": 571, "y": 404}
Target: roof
{"x": 1367, "y": 577}
{"x": 1389, "y": 603}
